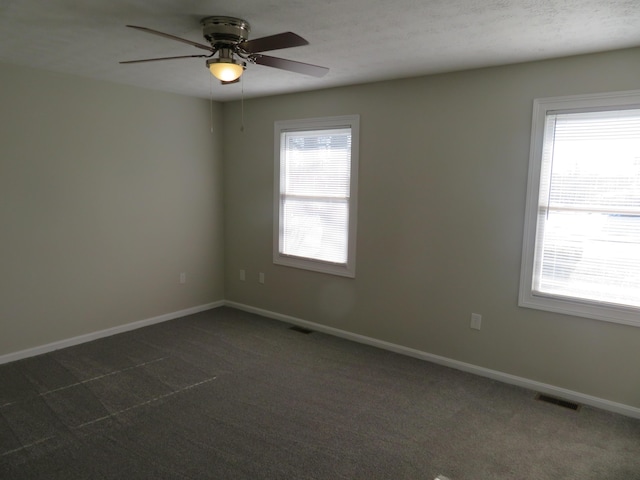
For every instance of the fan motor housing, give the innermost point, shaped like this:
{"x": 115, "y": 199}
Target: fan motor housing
{"x": 225, "y": 30}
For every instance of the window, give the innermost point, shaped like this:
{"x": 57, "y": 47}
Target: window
{"x": 316, "y": 171}
{"x": 581, "y": 253}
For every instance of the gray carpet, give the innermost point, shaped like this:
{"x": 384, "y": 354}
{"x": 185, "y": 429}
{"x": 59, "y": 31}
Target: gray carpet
{"x": 228, "y": 395}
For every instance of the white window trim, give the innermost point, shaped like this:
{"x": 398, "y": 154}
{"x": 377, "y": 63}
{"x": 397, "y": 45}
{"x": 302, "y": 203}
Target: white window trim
{"x": 569, "y": 306}
{"x": 347, "y": 121}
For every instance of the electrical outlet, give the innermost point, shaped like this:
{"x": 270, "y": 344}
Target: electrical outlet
{"x": 243, "y": 275}
{"x": 476, "y": 321}
{"x": 183, "y": 277}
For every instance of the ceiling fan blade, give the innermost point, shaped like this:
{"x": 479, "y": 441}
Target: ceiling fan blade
{"x": 172, "y": 37}
{"x": 291, "y": 65}
{"x": 273, "y": 42}
{"x": 164, "y": 58}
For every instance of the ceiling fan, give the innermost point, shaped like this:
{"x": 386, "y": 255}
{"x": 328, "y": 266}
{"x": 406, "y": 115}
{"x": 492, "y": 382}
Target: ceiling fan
{"x": 229, "y": 38}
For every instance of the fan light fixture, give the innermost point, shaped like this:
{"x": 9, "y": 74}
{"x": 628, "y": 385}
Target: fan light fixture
{"x": 225, "y": 69}
{"x": 228, "y": 39}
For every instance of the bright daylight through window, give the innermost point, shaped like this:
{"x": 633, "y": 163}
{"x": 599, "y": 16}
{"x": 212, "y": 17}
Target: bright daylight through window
{"x": 581, "y": 251}
{"x": 316, "y": 167}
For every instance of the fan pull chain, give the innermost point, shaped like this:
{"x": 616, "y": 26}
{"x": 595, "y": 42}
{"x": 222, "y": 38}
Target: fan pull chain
{"x": 241, "y": 104}
{"x": 211, "y": 101}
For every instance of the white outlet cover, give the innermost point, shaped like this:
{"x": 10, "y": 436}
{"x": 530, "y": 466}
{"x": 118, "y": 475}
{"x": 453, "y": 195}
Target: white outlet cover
{"x": 476, "y": 321}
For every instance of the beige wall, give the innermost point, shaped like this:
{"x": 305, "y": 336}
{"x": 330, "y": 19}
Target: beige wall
{"x": 107, "y": 193}
{"x": 443, "y": 174}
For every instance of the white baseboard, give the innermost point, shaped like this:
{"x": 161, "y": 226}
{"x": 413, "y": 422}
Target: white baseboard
{"x": 49, "y": 347}
{"x": 448, "y": 362}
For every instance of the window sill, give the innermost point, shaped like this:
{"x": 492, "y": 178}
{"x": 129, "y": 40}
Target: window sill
{"x": 595, "y": 310}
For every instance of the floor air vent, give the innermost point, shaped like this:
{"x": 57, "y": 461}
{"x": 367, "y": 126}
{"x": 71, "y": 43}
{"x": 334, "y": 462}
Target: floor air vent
{"x": 306, "y": 331}
{"x": 558, "y": 401}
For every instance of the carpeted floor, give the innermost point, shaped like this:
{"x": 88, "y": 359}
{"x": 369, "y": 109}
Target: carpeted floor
{"x": 229, "y": 395}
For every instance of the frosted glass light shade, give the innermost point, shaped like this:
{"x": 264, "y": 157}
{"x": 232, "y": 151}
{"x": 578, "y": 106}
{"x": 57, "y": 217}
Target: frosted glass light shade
{"x": 225, "y": 69}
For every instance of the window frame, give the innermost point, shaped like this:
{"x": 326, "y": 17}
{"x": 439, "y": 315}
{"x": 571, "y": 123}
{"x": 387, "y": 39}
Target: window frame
{"x": 608, "y": 312}
{"x": 352, "y": 122}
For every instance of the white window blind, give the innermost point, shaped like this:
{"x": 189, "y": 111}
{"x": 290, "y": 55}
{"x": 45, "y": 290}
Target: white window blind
{"x": 587, "y": 242}
{"x": 315, "y": 171}
{"x": 315, "y": 209}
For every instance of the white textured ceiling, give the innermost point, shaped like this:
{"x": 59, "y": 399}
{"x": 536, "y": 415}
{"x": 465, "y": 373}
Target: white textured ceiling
{"x": 359, "y": 40}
